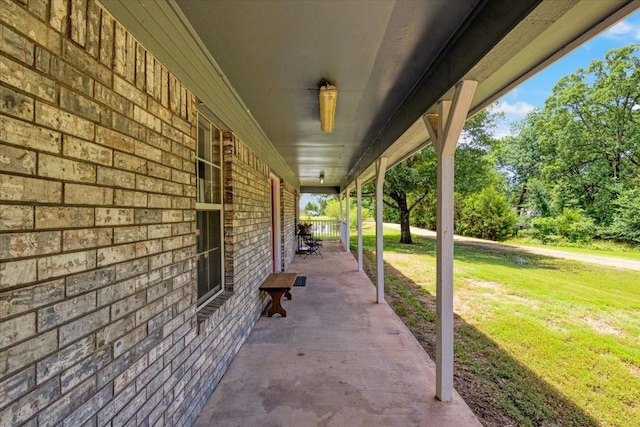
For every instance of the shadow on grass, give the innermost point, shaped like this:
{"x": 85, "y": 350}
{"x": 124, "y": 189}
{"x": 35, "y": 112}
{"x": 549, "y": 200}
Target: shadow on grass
{"x": 486, "y": 254}
{"x": 498, "y": 388}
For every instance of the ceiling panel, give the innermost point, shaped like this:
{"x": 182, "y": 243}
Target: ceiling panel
{"x": 257, "y": 66}
{"x": 276, "y": 53}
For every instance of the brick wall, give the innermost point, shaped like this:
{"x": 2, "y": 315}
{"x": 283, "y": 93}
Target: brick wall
{"x": 248, "y": 263}
{"x": 247, "y": 212}
{"x": 97, "y": 193}
{"x": 289, "y": 202}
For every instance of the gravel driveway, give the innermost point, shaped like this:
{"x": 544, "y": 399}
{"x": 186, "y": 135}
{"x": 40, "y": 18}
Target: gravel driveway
{"x": 593, "y": 259}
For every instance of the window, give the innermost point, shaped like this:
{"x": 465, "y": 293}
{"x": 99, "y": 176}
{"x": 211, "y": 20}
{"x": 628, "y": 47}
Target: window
{"x": 209, "y": 210}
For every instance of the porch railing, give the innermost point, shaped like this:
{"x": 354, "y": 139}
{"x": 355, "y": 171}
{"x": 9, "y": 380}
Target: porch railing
{"x": 327, "y": 230}
{"x": 344, "y": 237}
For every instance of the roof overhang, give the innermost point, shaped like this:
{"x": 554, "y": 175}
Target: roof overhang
{"x": 550, "y": 31}
{"x": 256, "y": 66}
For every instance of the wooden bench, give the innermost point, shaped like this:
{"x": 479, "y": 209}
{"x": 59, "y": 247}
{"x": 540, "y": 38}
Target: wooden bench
{"x": 277, "y": 285}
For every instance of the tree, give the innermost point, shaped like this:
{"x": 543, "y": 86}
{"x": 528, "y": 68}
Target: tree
{"x": 590, "y": 134}
{"x": 519, "y": 156}
{"x": 537, "y": 200}
{"x": 310, "y": 208}
{"x": 332, "y": 210}
{"x": 322, "y": 203}
{"x": 411, "y": 185}
{"x": 475, "y": 169}
{"x": 411, "y": 179}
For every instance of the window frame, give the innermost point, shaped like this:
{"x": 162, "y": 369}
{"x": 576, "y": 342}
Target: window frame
{"x": 202, "y": 206}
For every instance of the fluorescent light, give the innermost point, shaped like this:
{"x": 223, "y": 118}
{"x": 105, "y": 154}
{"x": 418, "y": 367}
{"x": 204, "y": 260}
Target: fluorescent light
{"x": 328, "y": 99}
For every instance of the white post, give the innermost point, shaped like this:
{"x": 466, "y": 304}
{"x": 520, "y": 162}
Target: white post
{"x": 445, "y": 128}
{"x": 381, "y": 168}
{"x": 340, "y": 226}
{"x": 359, "y": 200}
{"x": 347, "y": 243}
{"x": 444, "y": 278}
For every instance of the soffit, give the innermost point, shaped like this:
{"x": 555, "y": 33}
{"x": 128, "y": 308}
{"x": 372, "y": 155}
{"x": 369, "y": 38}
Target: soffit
{"x": 257, "y": 65}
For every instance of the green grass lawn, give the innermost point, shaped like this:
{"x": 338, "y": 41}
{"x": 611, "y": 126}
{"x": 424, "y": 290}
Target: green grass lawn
{"x": 305, "y": 217}
{"x": 538, "y": 340}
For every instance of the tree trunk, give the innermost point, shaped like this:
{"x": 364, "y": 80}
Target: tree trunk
{"x": 403, "y": 210}
{"x": 521, "y": 199}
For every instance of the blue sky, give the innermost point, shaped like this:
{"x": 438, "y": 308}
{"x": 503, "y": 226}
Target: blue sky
{"x": 533, "y": 92}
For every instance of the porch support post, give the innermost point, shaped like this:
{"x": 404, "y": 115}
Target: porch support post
{"x": 347, "y": 235}
{"x": 381, "y": 168}
{"x": 445, "y": 128}
{"x": 340, "y": 227}
{"x": 359, "y": 202}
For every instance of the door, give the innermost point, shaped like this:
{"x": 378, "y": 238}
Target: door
{"x": 276, "y": 233}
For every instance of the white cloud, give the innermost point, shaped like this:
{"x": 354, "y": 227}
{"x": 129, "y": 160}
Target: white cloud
{"x": 518, "y": 109}
{"x": 513, "y": 112}
{"x": 502, "y": 131}
{"x": 624, "y": 30}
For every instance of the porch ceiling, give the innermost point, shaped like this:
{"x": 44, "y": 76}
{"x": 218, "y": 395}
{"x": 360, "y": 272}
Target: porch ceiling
{"x": 257, "y": 66}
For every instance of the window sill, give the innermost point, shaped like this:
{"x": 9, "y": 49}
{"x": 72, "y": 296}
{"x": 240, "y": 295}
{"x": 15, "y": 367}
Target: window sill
{"x": 206, "y": 311}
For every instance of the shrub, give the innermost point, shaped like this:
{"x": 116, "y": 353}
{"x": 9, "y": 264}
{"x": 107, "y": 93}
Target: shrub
{"x": 353, "y": 215}
{"x": 487, "y": 215}
{"x": 424, "y": 214}
{"x": 572, "y": 225}
{"x": 542, "y": 228}
{"x": 575, "y": 226}
{"x": 332, "y": 210}
{"x": 626, "y": 219}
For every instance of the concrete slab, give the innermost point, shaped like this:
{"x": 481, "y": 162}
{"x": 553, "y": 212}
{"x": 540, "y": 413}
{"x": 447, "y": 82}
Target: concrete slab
{"x": 337, "y": 359}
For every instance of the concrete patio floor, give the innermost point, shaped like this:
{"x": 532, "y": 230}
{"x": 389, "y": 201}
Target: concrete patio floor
{"x": 337, "y": 359}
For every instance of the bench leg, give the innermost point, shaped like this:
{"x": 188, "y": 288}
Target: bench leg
{"x": 287, "y": 294}
{"x": 276, "y": 307}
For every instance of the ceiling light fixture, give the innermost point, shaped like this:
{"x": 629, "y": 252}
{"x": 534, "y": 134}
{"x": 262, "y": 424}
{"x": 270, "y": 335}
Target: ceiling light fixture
{"x": 321, "y": 177}
{"x": 328, "y": 99}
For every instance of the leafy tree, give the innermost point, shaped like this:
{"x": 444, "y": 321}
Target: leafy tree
{"x": 519, "y": 156}
{"x": 390, "y": 213}
{"x": 322, "y": 203}
{"x": 411, "y": 185}
{"x": 475, "y": 169}
{"x": 537, "y": 199}
{"x": 574, "y": 226}
{"x": 424, "y": 214}
{"x": 590, "y": 135}
{"x": 409, "y": 178}
{"x": 332, "y": 210}
{"x": 311, "y": 207}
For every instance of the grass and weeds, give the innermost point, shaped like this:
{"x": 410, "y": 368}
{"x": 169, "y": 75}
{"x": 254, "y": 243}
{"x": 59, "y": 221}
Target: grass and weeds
{"x": 305, "y": 217}
{"x": 596, "y": 247}
{"x": 538, "y": 341}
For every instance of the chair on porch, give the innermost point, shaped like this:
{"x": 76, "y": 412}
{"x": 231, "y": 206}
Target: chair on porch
{"x": 308, "y": 244}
